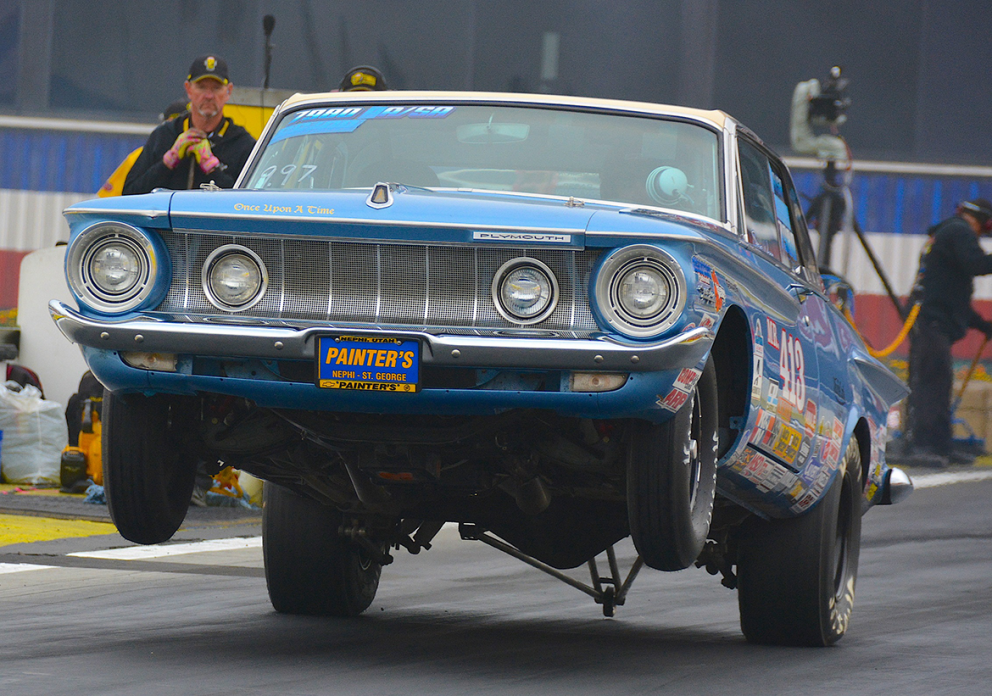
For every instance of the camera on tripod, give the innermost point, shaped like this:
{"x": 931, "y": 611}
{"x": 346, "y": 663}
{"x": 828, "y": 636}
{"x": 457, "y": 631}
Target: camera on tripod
{"x": 822, "y": 106}
{"x": 828, "y": 107}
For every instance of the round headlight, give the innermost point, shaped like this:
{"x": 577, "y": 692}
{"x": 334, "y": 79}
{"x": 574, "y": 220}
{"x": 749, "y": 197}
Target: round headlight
{"x": 112, "y": 267}
{"x": 234, "y": 278}
{"x": 640, "y": 291}
{"x": 525, "y": 291}
{"x": 643, "y": 291}
{"x": 115, "y": 266}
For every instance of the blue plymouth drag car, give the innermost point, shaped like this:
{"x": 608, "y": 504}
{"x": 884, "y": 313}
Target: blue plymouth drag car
{"x": 555, "y": 321}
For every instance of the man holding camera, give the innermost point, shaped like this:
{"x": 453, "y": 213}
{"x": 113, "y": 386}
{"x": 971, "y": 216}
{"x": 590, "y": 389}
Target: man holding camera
{"x": 951, "y": 258}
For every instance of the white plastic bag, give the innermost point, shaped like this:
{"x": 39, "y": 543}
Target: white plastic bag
{"x": 34, "y": 434}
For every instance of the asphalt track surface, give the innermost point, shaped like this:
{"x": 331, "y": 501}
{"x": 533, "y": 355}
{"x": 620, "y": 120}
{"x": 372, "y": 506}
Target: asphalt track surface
{"x": 464, "y": 619}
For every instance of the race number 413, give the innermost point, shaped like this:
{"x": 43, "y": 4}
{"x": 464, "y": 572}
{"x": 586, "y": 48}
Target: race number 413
{"x": 792, "y": 370}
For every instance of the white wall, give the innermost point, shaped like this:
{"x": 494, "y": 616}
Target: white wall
{"x": 899, "y": 256}
{"x": 44, "y": 349}
{"x": 33, "y": 220}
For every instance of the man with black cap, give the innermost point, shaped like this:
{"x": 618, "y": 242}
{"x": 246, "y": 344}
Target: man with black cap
{"x": 200, "y": 147}
{"x": 951, "y": 258}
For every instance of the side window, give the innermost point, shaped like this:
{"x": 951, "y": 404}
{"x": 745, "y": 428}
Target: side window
{"x": 802, "y": 232}
{"x": 783, "y": 220}
{"x": 759, "y": 202}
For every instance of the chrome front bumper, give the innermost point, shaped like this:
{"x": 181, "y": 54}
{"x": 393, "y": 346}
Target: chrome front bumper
{"x": 277, "y": 343}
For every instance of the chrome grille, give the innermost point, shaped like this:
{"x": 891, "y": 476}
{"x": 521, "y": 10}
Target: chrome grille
{"x": 417, "y": 286}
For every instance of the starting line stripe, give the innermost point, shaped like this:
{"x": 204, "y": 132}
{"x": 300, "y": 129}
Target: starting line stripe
{"x": 947, "y": 478}
{"x": 21, "y": 567}
{"x": 141, "y": 553}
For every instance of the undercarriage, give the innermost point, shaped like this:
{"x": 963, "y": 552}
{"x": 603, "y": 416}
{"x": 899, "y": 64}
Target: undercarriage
{"x": 551, "y": 486}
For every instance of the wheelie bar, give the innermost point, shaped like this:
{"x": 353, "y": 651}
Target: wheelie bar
{"x": 608, "y": 591}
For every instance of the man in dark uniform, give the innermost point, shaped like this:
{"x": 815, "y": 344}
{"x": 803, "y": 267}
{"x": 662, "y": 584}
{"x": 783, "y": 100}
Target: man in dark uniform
{"x": 197, "y": 148}
{"x": 950, "y": 260}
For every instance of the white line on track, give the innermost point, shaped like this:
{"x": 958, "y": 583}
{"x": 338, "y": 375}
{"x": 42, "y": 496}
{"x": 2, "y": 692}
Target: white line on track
{"x": 20, "y": 567}
{"x": 141, "y": 553}
{"x": 946, "y": 478}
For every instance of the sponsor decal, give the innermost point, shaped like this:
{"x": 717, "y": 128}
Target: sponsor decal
{"x": 766, "y": 428}
{"x": 797, "y": 489}
{"x": 772, "y": 334}
{"x": 820, "y": 484}
{"x": 759, "y": 364}
{"x": 687, "y": 378}
{"x": 684, "y": 383}
{"x": 766, "y": 474}
{"x": 718, "y": 292}
{"x": 787, "y": 445}
{"x": 674, "y": 401}
{"x": 804, "y": 502}
{"x": 708, "y": 287}
{"x": 771, "y": 398}
{"x": 348, "y": 119}
{"x": 810, "y": 419}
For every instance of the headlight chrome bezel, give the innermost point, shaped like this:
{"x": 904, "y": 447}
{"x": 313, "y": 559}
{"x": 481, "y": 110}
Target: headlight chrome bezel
{"x": 219, "y": 254}
{"x": 504, "y": 273}
{"x": 82, "y": 253}
{"x": 620, "y": 264}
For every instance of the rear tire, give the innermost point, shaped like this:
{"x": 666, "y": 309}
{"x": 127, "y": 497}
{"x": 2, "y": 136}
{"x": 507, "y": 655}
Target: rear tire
{"x": 147, "y": 475}
{"x": 796, "y": 576}
{"x": 671, "y": 480}
{"x": 309, "y": 568}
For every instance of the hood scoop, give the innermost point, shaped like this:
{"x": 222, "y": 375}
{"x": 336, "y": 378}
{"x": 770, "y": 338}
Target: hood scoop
{"x": 381, "y": 196}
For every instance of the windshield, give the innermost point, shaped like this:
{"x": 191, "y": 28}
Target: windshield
{"x": 629, "y": 159}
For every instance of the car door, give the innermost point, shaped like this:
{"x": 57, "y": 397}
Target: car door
{"x": 785, "y": 321}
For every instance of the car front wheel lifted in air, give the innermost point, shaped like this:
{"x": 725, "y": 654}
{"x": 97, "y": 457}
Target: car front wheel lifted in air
{"x": 796, "y": 576}
{"x": 671, "y": 480}
{"x": 309, "y": 567}
{"x": 147, "y": 474}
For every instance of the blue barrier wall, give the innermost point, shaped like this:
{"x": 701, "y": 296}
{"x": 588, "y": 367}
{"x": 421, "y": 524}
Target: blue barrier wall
{"x": 901, "y": 203}
{"x": 48, "y": 160}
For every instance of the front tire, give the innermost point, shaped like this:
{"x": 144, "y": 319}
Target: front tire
{"x": 147, "y": 474}
{"x": 309, "y": 568}
{"x": 671, "y": 480}
{"x": 796, "y": 576}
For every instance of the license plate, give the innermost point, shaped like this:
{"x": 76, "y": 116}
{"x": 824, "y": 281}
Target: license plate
{"x": 368, "y": 363}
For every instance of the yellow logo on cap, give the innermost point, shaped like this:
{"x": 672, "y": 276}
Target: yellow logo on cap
{"x": 360, "y": 78}
{"x": 210, "y": 63}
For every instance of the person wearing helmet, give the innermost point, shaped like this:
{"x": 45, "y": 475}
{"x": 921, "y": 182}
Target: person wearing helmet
{"x": 363, "y": 78}
{"x": 950, "y": 259}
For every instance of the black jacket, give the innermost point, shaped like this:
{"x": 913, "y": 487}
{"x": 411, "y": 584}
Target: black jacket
{"x": 230, "y": 143}
{"x": 950, "y": 260}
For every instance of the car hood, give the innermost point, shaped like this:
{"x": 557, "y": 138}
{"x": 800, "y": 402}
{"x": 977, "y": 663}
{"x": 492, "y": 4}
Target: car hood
{"x": 411, "y": 214}
{"x": 416, "y": 214}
